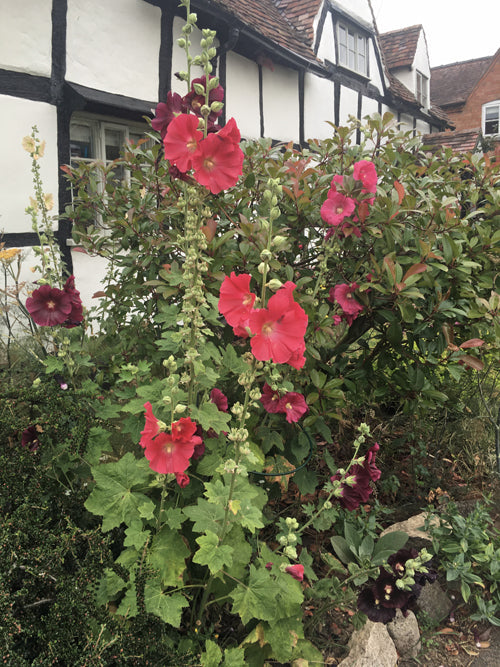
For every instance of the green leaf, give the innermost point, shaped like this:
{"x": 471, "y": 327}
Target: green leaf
{"x": 258, "y": 598}
{"x": 135, "y": 536}
{"x": 167, "y": 607}
{"x": 366, "y": 547}
{"x": 306, "y": 480}
{"x": 128, "y": 606}
{"x": 352, "y": 536}
{"x": 283, "y": 636}
{"x": 116, "y": 496}
{"x": 212, "y": 554}
{"x": 212, "y": 655}
{"x": 391, "y": 542}
{"x": 167, "y": 555}
{"x": 206, "y": 516}
{"x": 209, "y": 416}
{"x": 110, "y": 586}
{"x": 341, "y": 548}
{"x": 234, "y": 657}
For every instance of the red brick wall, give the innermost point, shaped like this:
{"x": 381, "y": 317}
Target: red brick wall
{"x": 487, "y": 90}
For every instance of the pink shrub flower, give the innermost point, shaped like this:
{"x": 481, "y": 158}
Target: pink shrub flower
{"x": 365, "y": 172}
{"x": 343, "y": 294}
{"x": 297, "y": 571}
{"x": 336, "y": 207}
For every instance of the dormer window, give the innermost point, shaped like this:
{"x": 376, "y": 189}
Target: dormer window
{"x": 422, "y": 90}
{"x": 352, "y": 49}
{"x": 491, "y": 118}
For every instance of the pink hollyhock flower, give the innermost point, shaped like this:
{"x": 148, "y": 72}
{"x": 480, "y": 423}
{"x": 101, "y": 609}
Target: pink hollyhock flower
{"x": 220, "y": 399}
{"x": 236, "y": 301}
{"x": 151, "y": 428}
{"x": 343, "y": 295}
{"x": 365, "y": 172}
{"x": 218, "y": 162}
{"x": 297, "y": 571}
{"x": 171, "y": 453}
{"x": 270, "y": 399}
{"x": 182, "y": 479}
{"x": 336, "y": 207}
{"x": 49, "y": 306}
{"x": 293, "y": 405}
{"x": 76, "y": 314}
{"x": 184, "y": 430}
{"x": 336, "y": 320}
{"x": 279, "y": 329}
{"x": 167, "y": 111}
{"x": 182, "y": 140}
{"x": 297, "y": 359}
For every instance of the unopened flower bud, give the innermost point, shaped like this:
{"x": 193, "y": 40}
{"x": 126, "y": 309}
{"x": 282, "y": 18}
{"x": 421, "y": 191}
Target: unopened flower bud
{"x": 274, "y": 284}
{"x": 180, "y": 408}
{"x": 266, "y": 255}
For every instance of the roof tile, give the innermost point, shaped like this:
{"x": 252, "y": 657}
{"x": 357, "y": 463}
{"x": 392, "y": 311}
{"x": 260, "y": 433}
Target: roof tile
{"x": 452, "y": 84}
{"x": 460, "y": 141}
{"x": 399, "y": 46}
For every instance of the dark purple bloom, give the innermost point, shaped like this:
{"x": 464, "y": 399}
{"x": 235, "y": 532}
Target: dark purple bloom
{"x": 76, "y": 314}
{"x": 29, "y": 438}
{"x": 380, "y": 600}
{"x": 352, "y": 496}
{"x": 219, "y": 399}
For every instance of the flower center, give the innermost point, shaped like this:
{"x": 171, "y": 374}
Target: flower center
{"x": 247, "y": 300}
{"x": 339, "y": 210}
{"x": 267, "y": 328}
{"x": 208, "y": 163}
{"x": 191, "y": 145}
{"x": 288, "y": 406}
{"x": 51, "y": 305}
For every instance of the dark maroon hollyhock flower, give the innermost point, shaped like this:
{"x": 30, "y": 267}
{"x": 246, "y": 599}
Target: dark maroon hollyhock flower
{"x": 364, "y": 473}
{"x": 199, "y": 449}
{"x": 29, "y": 438}
{"x": 49, "y": 306}
{"x": 220, "y": 400}
{"x": 370, "y": 605}
{"x": 380, "y": 600}
{"x": 270, "y": 399}
{"x": 167, "y": 111}
{"x": 390, "y": 595}
{"x": 75, "y": 316}
{"x": 194, "y": 102}
{"x": 398, "y": 560}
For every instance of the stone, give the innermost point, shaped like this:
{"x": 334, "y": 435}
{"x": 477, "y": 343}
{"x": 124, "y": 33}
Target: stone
{"x": 405, "y": 634}
{"x": 434, "y": 602}
{"x": 371, "y": 646}
{"x": 413, "y": 527}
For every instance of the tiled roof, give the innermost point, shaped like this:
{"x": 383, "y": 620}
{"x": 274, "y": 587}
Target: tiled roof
{"x": 287, "y": 23}
{"x": 452, "y": 84}
{"x": 399, "y": 46}
{"x": 461, "y": 141}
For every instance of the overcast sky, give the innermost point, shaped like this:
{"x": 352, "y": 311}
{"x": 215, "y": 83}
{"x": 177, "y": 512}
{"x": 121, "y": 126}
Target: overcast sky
{"x": 455, "y": 29}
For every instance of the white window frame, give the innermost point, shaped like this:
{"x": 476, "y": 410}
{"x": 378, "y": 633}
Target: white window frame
{"x": 422, "y": 89}
{"x": 97, "y": 128}
{"x": 490, "y": 105}
{"x": 352, "y": 55}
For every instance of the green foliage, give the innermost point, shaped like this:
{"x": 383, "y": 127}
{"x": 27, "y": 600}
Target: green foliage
{"x": 468, "y": 549}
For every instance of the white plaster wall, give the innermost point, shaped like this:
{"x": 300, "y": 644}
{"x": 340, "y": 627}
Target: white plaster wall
{"x": 359, "y": 8}
{"x": 326, "y": 47}
{"x": 18, "y": 116}
{"x": 368, "y": 107}
{"x": 376, "y": 76}
{"x": 406, "y": 122}
{"x": 179, "y": 63}
{"x": 89, "y": 272}
{"x": 242, "y": 95}
{"x": 421, "y": 61}
{"x": 423, "y": 127}
{"x": 281, "y": 103}
{"x": 348, "y": 104}
{"x": 318, "y": 107}
{"x": 26, "y": 36}
{"x": 113, "y": 45}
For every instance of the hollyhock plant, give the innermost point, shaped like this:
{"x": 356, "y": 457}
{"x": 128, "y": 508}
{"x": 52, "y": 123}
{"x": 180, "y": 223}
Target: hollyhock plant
{"x": 336, "y": 207}
{"x": 194, "y": 101}
{"x": 279, "y": 329}
{"x": 296, "y": 571}
{"x": 151, "y": 428}
{"x": 182, "y": 479}
{"x": 49, "y": 306}
{"x": 236, "y": 301}
{"x": 29, "y": 438}
{"x": 362, "y": 474}
{"x": 220, "y": 399}
{"x": 218, "y": 161}
{"x": 380, "y": 600}
{"x": 181, "y": 141}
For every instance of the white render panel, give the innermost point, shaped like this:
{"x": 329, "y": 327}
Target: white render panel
{"x": 281, "y": 103}
{"x": 319, "y": 107}
{"x": 179, "y": 63}
{"x": 326, "y": 47}
{"x": 369, "y": 107}
{"x": 89, "y": 272}
{"x": 406, "y": 122}
{"x": 19, "y": 115}
{"x": 348, "y": 104}
{"x": 114, "y": 46}
{"x": 423, "y": 127}
{"x": 357, "y": 8}
{"x": 242, "y": 95}
{"x": 26, "y": 36}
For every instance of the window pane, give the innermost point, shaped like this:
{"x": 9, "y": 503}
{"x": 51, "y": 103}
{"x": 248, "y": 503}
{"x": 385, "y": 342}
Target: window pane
{"x": 114, "y": 140}
{"x": 81, "y": 145}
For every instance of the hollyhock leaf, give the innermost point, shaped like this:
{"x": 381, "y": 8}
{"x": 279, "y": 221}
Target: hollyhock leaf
{"x": 233, "y": 362}
{"x": 135, "y": 536}
{"x": 209, "y": 416}
{"x": 205, "y": 515}
{"x": 168, "y": 555}
{"x": 283, "y": 635}
{"x": 166, "y": 606}
{"x": 341, "y": 548}
{"x": 258, "y": 598}
{"x": 212, "y": 554}
{"x": 128, "y": 605}
{"x": 110, "y": 585}
{"x": 117, "y": 496}
{"x": 306, "y": 480}
{"x": 212, "y": 655}
{"x": 234, "y": 657}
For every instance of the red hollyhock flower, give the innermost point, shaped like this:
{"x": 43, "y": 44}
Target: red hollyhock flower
{"x": 151, "y": 428}
{"x": 218, "y": 162}
{"x": 171, "y": 453}
{"x": 49, "y": 306}
{"x": 76, "y": 314}
{"x": 294, "y": 406}
{"x": 336, "y": 207}
{"x": 297, "y": 571}
{"x": 220, "y": 399}
{"x": 365, "y": 172}
{"x": 167, "y": 111}
{"x": 236, "y": 301}
{"x": 279, "y": 329}
{"x": 297, "y": 360}
{"x": 182, "y": 140}
{"x": 343, "y": 295}
{"x": 270, "y": 399}
{"x": 184, "y": 430}
{"x": 182, "y": 479}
